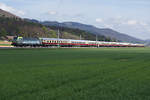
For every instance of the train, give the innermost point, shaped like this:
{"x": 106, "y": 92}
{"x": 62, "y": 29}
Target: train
{"x": 49, "y": 42}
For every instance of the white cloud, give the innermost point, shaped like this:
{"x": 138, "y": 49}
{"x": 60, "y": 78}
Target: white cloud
{"x": 52, "y": 12}
{"x": 131, "y": 22}
{"x": 133, "y": 27}
{"x": 99, "y": 20}
{"x": 11, "y": 9}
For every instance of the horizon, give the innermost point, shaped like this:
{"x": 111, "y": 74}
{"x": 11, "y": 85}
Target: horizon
{"x": 128, "y": 17}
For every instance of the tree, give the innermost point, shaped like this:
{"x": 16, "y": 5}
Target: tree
{"x": 3, "y": 32}
{"x": 45, "y": 29}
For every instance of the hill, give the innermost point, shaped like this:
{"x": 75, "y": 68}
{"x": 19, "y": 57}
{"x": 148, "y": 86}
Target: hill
{"x": 11, "y": 25}
{"x": 7, "y": 14}
{"x": 94, "y": 30}
{"x": 147, "y": 42}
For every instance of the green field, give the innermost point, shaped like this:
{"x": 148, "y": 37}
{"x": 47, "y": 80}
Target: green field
{"x": 75, "y": 74}
{"x": 5, "y": 45}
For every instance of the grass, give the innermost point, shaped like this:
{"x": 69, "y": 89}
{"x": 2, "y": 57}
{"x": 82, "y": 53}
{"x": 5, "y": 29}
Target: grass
{"x": 75, "y": 74}
{"x": 5, "y": 45}
{"x": 2, "y": 43}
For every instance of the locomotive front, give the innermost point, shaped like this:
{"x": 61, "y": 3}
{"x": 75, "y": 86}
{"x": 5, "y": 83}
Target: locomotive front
{"x": 22, "y": 41}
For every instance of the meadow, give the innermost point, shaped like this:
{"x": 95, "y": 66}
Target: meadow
{"x": 75, "y": 74}
{"x": 5, "y": 43}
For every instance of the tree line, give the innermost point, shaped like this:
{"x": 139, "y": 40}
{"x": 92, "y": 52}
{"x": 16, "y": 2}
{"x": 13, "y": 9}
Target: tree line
{"x": 20, "y": 27}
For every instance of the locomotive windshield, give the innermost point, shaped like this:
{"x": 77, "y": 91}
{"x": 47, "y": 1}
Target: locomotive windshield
{"x": 15, "y": 38}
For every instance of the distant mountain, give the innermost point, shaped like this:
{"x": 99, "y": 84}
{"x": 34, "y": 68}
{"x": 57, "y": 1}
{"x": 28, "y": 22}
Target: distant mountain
{"x": 94, "y": 30}
{"x": 7, "y": 14}
{"x": 147, "y": 42}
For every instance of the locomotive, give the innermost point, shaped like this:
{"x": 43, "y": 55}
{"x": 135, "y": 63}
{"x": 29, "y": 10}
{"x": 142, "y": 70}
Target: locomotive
{"x": 46, "y": 42}
{"x": 22, "y": 41}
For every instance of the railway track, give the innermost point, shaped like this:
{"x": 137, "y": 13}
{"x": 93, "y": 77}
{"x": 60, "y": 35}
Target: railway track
{"x": 12, "y": 47}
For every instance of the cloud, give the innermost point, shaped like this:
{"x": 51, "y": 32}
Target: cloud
{"x": 132, "y": 22}
{"x": 99, "y": 20}
{"x": 133, "y": 27}
{"x": 52, "y": 12}
{"x": 11, "y": 9}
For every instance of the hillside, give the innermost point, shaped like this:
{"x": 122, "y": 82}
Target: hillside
{"x": 7, "y": 14}
{"x": 15, "y": 27}
{"x": 147, "y": 42}
{"x": 94, "y": 30}
{"x": 11, "y": 25}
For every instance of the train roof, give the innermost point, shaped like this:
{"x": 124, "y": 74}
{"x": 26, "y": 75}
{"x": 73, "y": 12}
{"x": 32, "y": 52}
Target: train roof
{"x": 65, "y": 39}
{"x": 88, "y": 41}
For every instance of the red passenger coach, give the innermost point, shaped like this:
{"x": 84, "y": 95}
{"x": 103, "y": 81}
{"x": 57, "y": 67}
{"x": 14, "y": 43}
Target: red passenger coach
{"x": 85, "y": 43}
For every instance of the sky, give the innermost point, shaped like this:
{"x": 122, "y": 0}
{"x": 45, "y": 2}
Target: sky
{"x": 130, "y": 17}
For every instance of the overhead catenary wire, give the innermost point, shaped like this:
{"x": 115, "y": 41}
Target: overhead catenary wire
{"x": 59, "y": 26}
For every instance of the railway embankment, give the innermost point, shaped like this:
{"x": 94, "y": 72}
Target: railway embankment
{"x": 5, "y": 44}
